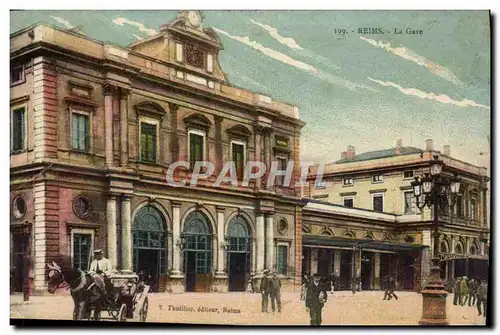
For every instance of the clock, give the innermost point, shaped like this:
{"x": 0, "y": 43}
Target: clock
{"x": 194, "y": 18}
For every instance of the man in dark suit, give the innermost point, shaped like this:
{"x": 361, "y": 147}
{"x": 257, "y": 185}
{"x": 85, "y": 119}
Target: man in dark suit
{"x": 482, "y": 297}
{"x": 265, "y": 290}
{"x": 392, "y": 287}
{"x": 275, "y": 291}
{"x": 315, "y": 300}
{"x": 385, "y": 287}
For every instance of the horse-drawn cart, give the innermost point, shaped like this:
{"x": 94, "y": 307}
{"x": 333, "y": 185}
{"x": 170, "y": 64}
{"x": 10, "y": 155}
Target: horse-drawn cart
{"x": 128, "y": 300}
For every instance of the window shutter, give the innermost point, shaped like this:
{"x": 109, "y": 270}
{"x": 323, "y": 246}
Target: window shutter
{"x": 87, "y": 133}
{"x": 23, "y": 129}
{"x": 74, "y": 131}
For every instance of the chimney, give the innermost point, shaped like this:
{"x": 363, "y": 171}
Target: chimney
{"x": 446, "y": 150}
{"x": 399, "y": 144}
{"x": 429, "y": 145}
{"x": 351, "y": 152}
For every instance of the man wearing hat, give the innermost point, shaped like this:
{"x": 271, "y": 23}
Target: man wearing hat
{"x": 265, "y": 289}
{"x": 101, "y": 270}
{"x": 275, "y": 291}
{"x": 315, "y": 300}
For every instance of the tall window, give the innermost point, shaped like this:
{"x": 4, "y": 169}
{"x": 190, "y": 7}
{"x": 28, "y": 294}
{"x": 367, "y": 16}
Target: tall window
{"x": 377, "y": 178}
{"x": 473, "y": 209}
{"x": 459, "y": 209}
{"x": 282, "y": 259}
{"x": 82, "y": 244}
{"x": 148, "y": 142}
{"x": 238, "y": 157}
{"x": 80, "y": 131}
{"x": 17, "y": 75}
{"x": 410, "y": 206}
{"x": 282, "y": 164}
{"x": 378, "y": 202}
{"x": 196, "y": 146}
{"x": 348, "y": 202}
{"x": 18, "y": 129}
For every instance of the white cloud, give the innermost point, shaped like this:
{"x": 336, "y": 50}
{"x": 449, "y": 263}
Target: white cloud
{"x": 288, "y": 41}
{"x": 431, "y": 96}
{"x": 271, "y": 52}
{"x": 121, "y": 21}
{"x": 138, "y": 37}
{"x": 407, "y": 54}
{"x": 62, "y": 21}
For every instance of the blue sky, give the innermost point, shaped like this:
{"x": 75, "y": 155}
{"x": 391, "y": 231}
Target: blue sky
{"x": 360, "y": 89}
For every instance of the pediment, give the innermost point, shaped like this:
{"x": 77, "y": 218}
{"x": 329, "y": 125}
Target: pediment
{"x": 240, "y": 131}
{"x": 197, "y": 121}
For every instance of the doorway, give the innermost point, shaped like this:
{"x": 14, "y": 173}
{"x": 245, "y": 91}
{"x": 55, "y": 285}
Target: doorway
{"x": 237, "y": 272}
{"x": 149, "y": 267}
{"x": 324, "y": 268}
{"x": 19, "y": 248}
{"x": 366, "y": 270}
{"x": 345, "y": 270}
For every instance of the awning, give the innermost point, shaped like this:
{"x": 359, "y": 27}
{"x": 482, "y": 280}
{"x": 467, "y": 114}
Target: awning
{"x": 359, "y": 243}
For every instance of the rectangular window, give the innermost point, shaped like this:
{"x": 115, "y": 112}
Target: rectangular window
{"x": 473, "y": 210}
{"x": 17, "y": 75}
{"x": 408, "y": 174}
{"x": 378, "y": 202}
{"x": 282, "y": 164}
{"x": 179, "y": 52}
{"x": 82, "y": 244}
{"x": 148, "y": 142}
{"x": 196, "y": 147}
{"x": 459, "y": 208}
{"x": 80, "y": 137}
{"x": 377, "y": 178}
{"x": 348, "y": 181}
{"x": 348, "y": 202}
{"x": 410, "y": 206}
{"x": 320, "y": 184}
{"x": 210, "y": 63}
{"x": 282, "y": 259}
{"x": 238, "y": 157}
{"x": 18, "y": 129}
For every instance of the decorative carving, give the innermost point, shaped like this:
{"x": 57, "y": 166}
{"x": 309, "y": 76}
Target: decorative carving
{"x": 349, "y": 232}
{"x": 306, "y": 229}
{"x": 82, "y": 206}
{"x": 409, "y": 239}
{"x": 388, "y": 236}
{"x": 369, "y": 234}
{"x": 195, "y": 56}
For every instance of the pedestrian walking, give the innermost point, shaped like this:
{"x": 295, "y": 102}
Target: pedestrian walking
{"x": 315, "y": 300}
{"x": 472, "y": 292}
{"x": 392, "y": 287}
{"x": 385, "y": 287}
{"x": 456, "y": 291}
{"x": 264, "y": 290}
{"x": 275, "y": 292}
{"x": 482, "y": 297}
{"x": 250, "y": 287}
{"x": 464, "y": 291}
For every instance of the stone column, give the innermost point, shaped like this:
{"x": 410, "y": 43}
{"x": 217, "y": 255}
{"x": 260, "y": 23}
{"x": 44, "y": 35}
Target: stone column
{"x": 314, "y": 261}
{"x": 126, "y": 236}
{"x": 176, "y": 233}
{"x": 111, "y": 230}
{"x": 258, "y": 152}
{"x": 452, "y": 246}
{"x": 270, "y": 242}
{"x": 453, "y": 268}
{"x": 108, "y": 123}
{"x": 260, "y": 243}
{"x": 376, "y": 266}
{"x": 124, "y": 127}
{"x": 220, "y": 238}
{"x": 267, "y": 154}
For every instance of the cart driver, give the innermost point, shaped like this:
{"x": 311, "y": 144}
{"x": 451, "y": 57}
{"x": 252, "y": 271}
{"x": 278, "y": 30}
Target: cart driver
{"x": 101, "y": 270}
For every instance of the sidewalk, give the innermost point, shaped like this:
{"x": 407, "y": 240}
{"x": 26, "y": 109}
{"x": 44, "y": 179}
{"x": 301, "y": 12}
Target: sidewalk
{"x": 342, "y": 308}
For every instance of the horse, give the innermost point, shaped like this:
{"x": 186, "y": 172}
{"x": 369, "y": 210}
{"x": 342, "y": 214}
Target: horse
{"x": 83, "y": 291}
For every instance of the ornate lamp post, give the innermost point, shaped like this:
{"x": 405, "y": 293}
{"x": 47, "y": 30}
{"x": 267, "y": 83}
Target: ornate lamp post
{"x": 435, "y": 191}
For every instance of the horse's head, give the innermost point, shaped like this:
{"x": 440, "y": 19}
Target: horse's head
{"x": 55, "y": 277}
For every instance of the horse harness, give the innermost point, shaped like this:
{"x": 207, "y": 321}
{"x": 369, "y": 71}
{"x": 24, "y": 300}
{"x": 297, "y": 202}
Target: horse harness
{"x": 83, "y": 282}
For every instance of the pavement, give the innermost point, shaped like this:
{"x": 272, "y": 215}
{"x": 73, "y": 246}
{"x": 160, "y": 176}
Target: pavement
{"x": 342, "y": 308}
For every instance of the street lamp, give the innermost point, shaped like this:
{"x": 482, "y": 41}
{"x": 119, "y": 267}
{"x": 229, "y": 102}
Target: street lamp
{"x": 435, "y": 191}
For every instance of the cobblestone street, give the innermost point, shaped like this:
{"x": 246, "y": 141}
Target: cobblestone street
{"x": 342, "y": 308}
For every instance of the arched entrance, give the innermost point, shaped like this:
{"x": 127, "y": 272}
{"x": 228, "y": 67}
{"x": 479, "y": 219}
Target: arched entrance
{"x": 238, "y": 253}
{"x": 197, "y": 253}
{"x": 150, "y": 246}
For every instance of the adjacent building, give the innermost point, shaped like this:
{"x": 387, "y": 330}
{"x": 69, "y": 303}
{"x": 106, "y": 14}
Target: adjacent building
{"x": 371, "y": 226}
{"x": 95, "y": 127}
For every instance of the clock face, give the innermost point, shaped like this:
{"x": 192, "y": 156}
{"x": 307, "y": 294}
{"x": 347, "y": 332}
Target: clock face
{"x": 194, "y": 18}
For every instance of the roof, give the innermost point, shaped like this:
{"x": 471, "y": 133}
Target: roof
{"x": 380, "y": 154}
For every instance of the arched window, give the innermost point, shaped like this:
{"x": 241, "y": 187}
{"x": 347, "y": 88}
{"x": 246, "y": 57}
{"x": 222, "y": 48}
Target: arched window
{"x": 196, "y": 223}
{"x": 149, "y": 228}
{"x": 459, "y": 249}
{"x": 197, "y": 243}
{"x": 239, "y": 238}
{"x": 444, "y": 246}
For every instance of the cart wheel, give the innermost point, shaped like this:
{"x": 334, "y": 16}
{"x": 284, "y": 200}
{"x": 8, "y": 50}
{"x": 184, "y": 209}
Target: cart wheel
{"x": 122, "y": 315}
{"x": 113, "y": 313}
{"x": 143, "y": 313}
